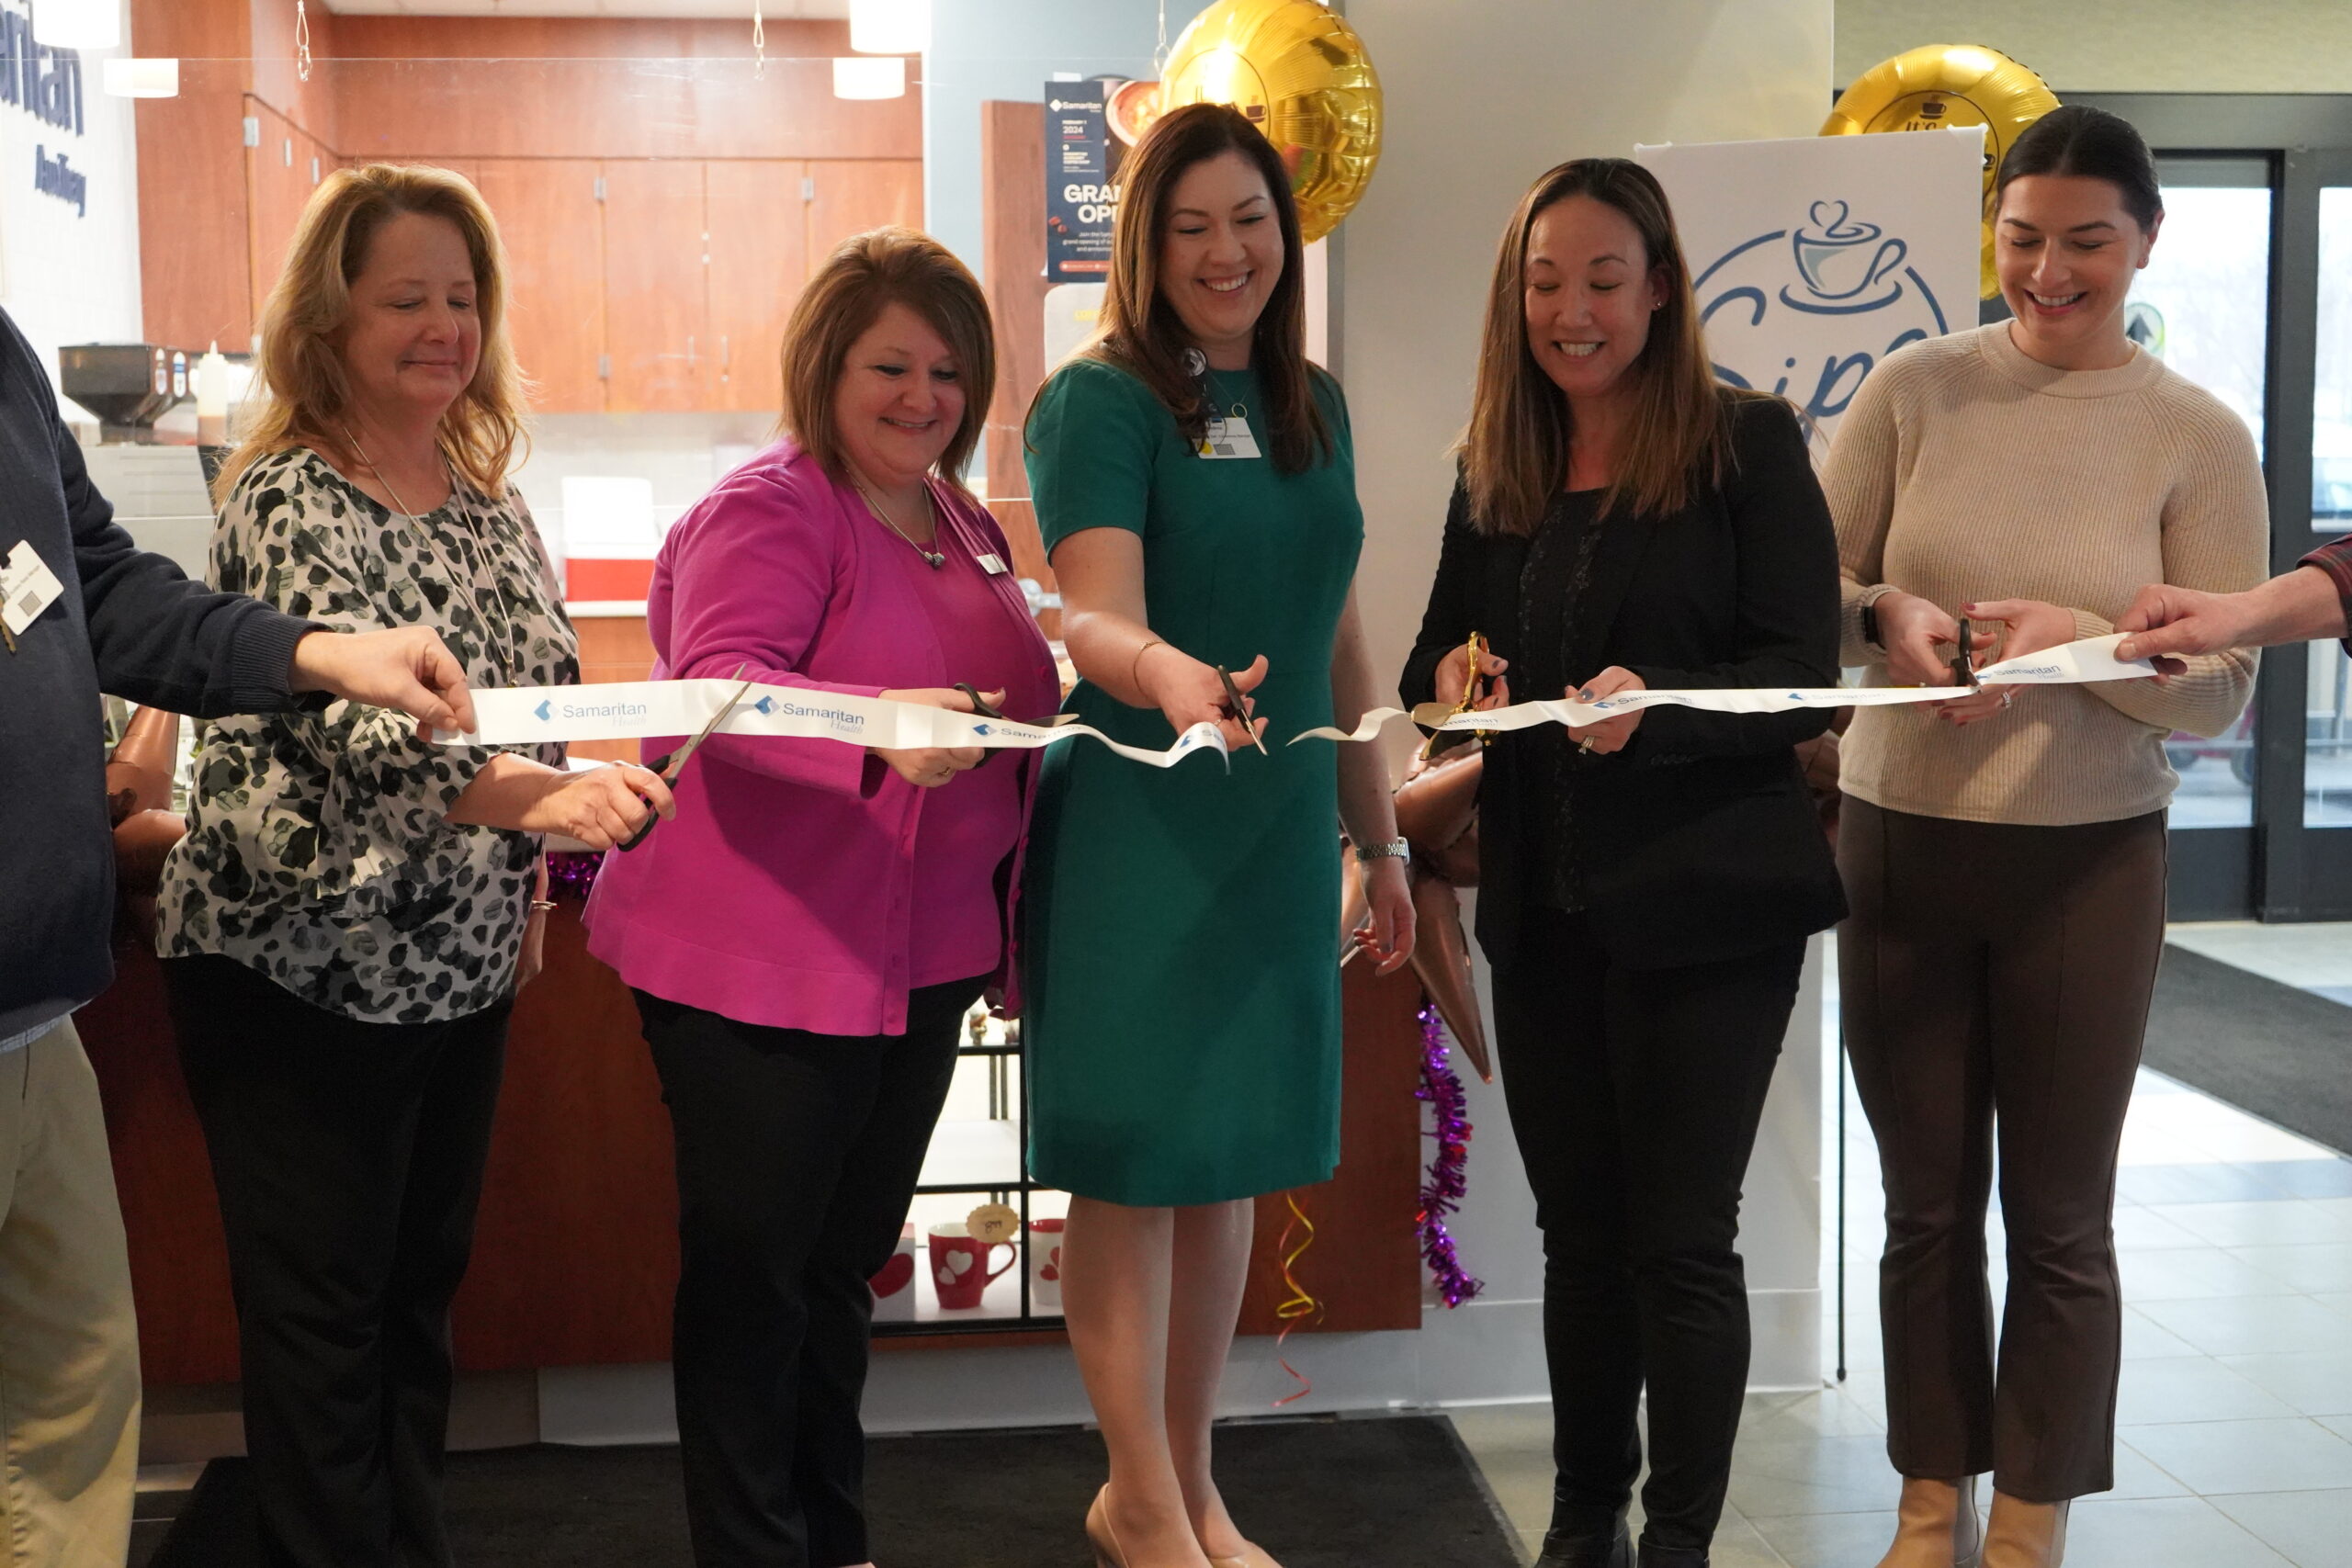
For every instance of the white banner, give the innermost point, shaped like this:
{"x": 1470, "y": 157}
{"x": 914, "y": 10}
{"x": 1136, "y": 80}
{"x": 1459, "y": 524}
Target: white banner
{"x": 1816, "y": 258}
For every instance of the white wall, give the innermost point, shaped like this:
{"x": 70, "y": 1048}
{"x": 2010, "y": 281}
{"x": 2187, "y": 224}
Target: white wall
{"x": 2148, "y": 46}
{"x": 67, "y": 278}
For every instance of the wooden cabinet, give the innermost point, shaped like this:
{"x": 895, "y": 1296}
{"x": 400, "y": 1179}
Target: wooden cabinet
{"x": 757, "y": 246}
{"x": 553, "y": 227}
{"x": 280, "y": 173}
{"x": 657, "y": 332}
{"x": 849, "y": 196}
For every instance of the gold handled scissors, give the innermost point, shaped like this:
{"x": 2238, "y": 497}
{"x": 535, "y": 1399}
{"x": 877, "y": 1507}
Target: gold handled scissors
{"x": 1469, "y": 699}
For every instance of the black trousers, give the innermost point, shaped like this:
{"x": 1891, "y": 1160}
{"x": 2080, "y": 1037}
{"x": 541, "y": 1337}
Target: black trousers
{"x": 797, "y": 1155}
{"x": 348, "y": 1157}
{"x": 1634, "y": 1097}
{"x": 1997, "y": 977}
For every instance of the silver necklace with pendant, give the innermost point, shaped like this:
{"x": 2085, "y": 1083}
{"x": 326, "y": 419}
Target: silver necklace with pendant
{"x": 933, "y": 558}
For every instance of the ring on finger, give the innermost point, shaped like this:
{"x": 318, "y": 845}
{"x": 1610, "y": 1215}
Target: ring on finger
{"x": 1585, "y": 744}
{"x": 2007, "y": 698}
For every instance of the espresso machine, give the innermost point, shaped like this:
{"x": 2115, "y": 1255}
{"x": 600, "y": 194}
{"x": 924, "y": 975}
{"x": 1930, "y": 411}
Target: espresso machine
{"x": 157, "y": 486}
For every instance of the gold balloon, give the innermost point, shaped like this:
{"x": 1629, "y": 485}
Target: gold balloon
{"x": 1302, "y": 75}
{"x": 1946, "y": 84}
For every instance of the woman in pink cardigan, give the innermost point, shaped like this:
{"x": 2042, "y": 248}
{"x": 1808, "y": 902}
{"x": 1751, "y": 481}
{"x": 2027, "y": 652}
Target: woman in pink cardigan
{"x": 805, "y": 937}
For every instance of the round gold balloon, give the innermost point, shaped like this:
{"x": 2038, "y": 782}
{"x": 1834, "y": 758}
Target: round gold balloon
{"x": 1945, "y": 85}
{"x": 1301, "y": 74}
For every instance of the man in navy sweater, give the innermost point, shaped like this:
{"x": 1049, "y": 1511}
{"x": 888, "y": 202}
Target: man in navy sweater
{"x": 85, "y": 610}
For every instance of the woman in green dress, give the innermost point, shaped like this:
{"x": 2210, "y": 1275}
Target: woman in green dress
{"x": 1196, "y": 490}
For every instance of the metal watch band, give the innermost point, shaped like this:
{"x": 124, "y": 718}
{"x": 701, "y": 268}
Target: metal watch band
{"x": 1396, "y": 849}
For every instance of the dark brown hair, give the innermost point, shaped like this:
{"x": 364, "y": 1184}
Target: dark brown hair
{"x": 866, "y": 275}
{"x": 1515, "y": 453}
{"x": 2076, "y": 139}
{"x": 1139, "y": 330}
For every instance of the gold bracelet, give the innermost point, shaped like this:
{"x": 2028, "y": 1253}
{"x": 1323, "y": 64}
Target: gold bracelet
{"x": 539, "y": 904}
{"x": 1135, "y": 669}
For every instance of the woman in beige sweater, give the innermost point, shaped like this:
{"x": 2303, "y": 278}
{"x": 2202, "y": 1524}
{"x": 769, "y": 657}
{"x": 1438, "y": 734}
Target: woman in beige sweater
{"x": 2004, "y": 852}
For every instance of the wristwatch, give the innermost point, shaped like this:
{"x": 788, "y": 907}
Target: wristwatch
{"x": 1870, "y": 625}
{"x": 1395, "y": 849}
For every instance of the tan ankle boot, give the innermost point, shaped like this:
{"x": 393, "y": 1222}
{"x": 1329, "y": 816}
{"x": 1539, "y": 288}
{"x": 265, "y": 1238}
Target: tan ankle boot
{"x": 2024, "y": 1535}
{"x": 1935, "y": 1525}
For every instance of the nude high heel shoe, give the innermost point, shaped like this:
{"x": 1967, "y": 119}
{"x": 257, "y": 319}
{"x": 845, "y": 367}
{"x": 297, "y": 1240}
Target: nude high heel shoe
{"x": 1935, "y": 1525}
{"x": 1252, "y": 1556}
{"x": 2024, "y": 1535}
{"x": 1099, "y": 1534}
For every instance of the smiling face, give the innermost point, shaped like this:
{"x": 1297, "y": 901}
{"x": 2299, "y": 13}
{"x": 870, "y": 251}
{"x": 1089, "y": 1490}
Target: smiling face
{"x": 1220, "y": 253}
{"x": 900, "y": 399}
{"x": 2066, "y": 250}
{"x": 1590, "y": 292}
{"x": 412, "y": 337}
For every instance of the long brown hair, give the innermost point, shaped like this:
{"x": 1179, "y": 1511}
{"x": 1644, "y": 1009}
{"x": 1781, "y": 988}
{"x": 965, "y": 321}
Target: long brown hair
{"x": 1139, "y": 330}
{"x": 866, "y": 275}
{"x": 1515, "y": 453}
{"x": 309, "y": 393}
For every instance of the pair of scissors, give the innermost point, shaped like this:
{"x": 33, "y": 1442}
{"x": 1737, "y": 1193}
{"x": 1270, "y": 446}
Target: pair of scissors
{"x": 1237, "y": 709}
{"x": 1963, "y": 661}
{"x": 1473, "y": 688}
{"x": 671, "y": 763}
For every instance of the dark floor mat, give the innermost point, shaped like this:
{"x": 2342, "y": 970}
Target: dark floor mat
{"x": 2281, "y": 1053}
{"x": 1317, "y": 1492}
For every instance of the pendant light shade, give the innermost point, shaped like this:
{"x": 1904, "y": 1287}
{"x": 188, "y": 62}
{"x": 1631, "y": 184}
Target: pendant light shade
{"x": 137, "y": 78}
{"x": 870, "y": 76}
{"x": 79, "y": 23}
{"x": 890, "y": 26}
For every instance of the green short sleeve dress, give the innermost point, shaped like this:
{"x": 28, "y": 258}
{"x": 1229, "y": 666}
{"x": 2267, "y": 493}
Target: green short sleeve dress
{"x": 1181, "y": 928}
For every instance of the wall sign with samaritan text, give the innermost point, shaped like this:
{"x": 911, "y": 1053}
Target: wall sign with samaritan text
{"x": 46, "y": 84}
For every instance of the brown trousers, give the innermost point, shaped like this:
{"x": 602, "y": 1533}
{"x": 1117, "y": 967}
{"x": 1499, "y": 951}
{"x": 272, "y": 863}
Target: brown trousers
{"x": 1997, "y": 977}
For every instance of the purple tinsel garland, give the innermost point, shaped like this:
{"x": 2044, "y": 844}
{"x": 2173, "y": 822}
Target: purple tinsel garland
{"x": 574, "y": 875}
{"x": 1441, "y": 1194}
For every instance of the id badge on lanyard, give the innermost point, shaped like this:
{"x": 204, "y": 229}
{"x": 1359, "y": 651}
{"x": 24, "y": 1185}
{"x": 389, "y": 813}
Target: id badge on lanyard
{"x": 1229, "y": 435}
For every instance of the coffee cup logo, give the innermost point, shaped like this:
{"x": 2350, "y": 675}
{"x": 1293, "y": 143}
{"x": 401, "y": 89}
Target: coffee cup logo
{"x": 1842, "y": 259}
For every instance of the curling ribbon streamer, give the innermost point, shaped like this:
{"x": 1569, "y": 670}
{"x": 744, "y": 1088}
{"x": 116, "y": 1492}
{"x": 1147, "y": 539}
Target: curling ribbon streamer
{"x": 1448, "y": 1182}
{"x": 1302, "y": 1304}
{"x": 2076, "y": 663}
{"x": 520, "y": 716}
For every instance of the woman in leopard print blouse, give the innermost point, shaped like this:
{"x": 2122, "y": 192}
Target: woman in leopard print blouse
{"x": 344, "y": 926}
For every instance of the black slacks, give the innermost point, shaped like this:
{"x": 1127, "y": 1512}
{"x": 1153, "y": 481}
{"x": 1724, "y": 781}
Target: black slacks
{"x": 1634, "y": 1097}
{"x": 1996, "y": 980}
{"x": 348, "y": 1157}
{"x": 797, "y": 1155}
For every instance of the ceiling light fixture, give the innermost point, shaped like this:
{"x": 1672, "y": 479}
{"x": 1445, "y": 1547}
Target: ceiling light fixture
{"x": 78, "y": 23}
{"x": 137, "y": 78}
{"x": 870, "y": 76}
{"x": 890, "y": 26}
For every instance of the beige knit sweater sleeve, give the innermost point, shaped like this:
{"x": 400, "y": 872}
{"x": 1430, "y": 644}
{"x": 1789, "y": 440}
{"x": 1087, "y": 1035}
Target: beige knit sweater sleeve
{"x": 2207, "y": 545}
{"x": 1859, "y": 479}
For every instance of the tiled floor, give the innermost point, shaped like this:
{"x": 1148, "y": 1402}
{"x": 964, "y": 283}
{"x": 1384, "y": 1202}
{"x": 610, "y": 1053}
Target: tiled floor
{"x": 2236, "y": 1420}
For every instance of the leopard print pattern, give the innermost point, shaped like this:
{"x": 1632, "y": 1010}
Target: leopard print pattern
{"x": 318, "y": 850}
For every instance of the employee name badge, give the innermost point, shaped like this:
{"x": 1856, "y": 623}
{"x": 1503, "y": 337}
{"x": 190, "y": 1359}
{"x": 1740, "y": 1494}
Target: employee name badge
{"x": 26, "y": 588}
{"x": 991, "y": 563}
{"x": 1229, "y": 437}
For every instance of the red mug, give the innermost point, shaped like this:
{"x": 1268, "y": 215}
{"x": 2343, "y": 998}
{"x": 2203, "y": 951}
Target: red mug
{"x": 959, "y": 1266}
{"x": 894, "y": 1285}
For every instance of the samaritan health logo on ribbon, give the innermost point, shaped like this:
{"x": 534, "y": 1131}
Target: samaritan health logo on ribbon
{"x": 1806, "y": 310}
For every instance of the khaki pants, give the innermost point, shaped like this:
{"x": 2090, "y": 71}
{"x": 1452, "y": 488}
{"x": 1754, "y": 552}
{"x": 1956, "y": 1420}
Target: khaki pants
{"x": 69, "y": 1345}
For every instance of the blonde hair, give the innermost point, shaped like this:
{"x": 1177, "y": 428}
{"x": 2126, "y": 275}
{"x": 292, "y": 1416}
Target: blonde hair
{"x": 1515, "y": 454}
{"x": 866, "y": 275}
{"x": 307, "y": 391}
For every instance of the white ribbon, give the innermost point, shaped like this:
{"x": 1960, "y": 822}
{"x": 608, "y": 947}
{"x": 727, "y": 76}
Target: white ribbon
{"x": 623, "y": 710}
{"x": 2076, "y": 663}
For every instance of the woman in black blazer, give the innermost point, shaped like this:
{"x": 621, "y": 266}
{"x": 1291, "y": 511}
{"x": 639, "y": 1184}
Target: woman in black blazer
{"x": 1625, "y": 521}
